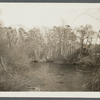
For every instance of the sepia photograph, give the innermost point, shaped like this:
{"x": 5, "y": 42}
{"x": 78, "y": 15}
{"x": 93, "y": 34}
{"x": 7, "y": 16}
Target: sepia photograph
{"x": 49, "y": 47}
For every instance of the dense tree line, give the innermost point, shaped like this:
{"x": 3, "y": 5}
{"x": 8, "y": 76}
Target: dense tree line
{"x": 58, "y": 42}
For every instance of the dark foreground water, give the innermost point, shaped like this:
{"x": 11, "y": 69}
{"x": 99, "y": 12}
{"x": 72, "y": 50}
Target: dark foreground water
{"x": 58, "y": 77}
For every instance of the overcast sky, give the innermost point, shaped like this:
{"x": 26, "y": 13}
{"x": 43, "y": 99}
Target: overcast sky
{"x": 49, "y": 14}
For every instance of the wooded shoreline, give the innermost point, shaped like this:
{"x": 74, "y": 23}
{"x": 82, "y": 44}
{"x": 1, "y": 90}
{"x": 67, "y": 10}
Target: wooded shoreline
{"x": 59, "y": 44}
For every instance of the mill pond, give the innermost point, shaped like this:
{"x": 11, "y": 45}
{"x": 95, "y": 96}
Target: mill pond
{"x": 49, "y": 76}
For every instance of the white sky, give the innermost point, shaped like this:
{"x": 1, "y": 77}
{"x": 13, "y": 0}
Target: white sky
{"x": 49, "y": 14}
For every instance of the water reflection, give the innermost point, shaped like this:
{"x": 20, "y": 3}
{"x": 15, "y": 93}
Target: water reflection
{"x": 57, "y": 77}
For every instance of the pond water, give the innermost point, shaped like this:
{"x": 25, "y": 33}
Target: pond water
{"x": 58, "y": 77}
